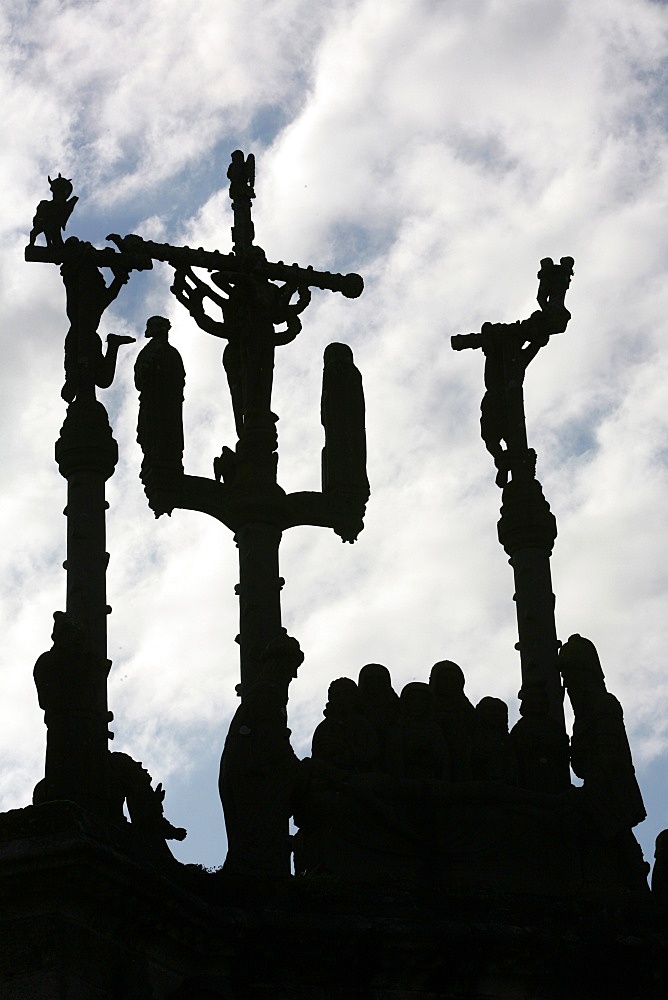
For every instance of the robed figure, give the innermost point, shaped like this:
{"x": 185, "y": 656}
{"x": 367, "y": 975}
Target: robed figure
{"x": 160, "y": 378}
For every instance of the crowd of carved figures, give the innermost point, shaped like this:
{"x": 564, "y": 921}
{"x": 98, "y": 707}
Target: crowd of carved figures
{"x": 433, "y": 731}
{"x": 429, "y": 735}
{"x": 429, "y": 731}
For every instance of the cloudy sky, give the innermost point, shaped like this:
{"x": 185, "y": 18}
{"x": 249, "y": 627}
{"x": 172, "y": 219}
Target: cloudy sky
{"x": 440, "y": 148}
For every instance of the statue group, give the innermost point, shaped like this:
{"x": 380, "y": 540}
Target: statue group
{"x": 419, "y": 784}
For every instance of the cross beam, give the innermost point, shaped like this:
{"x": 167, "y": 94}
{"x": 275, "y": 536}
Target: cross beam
{"x": 253, "y": 311}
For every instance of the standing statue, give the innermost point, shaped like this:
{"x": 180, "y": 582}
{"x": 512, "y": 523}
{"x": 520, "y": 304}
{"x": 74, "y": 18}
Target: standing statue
{"x": 540, "y": 745}
{"x": 417, "y": 749}
{"x": 379, "y": 703}
{"x": 160, "y": 378}
{"x": 345, "y": 739}
{"x": 492, "y": 755}
{"x": 87, "y": 297}
{"x": 259, "y": 772}
{"x": 343, "y": 418}
{"x": 51, "y": 216}
{"x": 454, "y": 714}
{"x": 71, "y": 690}
{"x": 600, "y": 753}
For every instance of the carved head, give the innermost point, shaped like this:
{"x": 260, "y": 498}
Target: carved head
{"x": 67, "y": 633}
{"x": 580, "y": 666}
{"x": 492, "y": 713}
{"x": 338, "y": 354}
{"x": 533, "y": 701}
{"x": 374, "y": 679}
{"x": 157, "y": 326}
{"x": 446, "y": 678}
{"x": 61, "y": 187}
{"x": 282, "y": 655}
{"x": 342, "y": 697}
{"x": 415, "y": 701}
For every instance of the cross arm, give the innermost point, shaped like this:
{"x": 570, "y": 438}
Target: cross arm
{"x": 255, "y": 263}
{"x": 127, "y": 260}
{"x": 234, "y": 507}
{"x": 345, "y": 514}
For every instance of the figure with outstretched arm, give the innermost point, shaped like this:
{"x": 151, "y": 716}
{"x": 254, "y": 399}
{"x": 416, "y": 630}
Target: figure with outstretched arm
{"x": 509, "y": 348}
{"x": 87, "y": 297}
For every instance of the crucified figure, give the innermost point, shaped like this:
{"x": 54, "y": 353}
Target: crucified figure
{"x": 87, "y": 297}
{"x": 257, "y": 316}
{"x": 509, "y": 348}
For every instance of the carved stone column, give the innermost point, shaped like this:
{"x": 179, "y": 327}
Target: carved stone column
{"x": 86, "y": 453}
{"x": 527, "y": 530}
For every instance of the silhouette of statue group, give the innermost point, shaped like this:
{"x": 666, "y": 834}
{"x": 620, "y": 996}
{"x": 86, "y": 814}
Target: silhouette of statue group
{"x": 432, "y": 731}
{"x": 388, "y": 772}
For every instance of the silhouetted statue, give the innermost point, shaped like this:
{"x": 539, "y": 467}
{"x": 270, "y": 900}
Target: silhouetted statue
{"x": 379, "y": 703}
{"x": 554, "y": 280}
{"x": 130, "y": 782}
{"x": 70, "y": 684}
{"x": 345, "y": 739}
{"x": 343, "y": 418}
{"x": 540, "y": 745}
{"x": 259, "y": 772}
{"x": 87, "y": 297}
{"x": 160, "y": 378}
{"x": 248, "y": 358}
{"x": 492, "y": 757}
{"x": 600, "y": 752}
{"x": 454, "y": 714}
{"x": 241, "y": 175}
{"x": 51, "y": 216}
{"x": 417, "y": 748}
{"x": 660, "y": 871}
{"x": 509, "y": 348}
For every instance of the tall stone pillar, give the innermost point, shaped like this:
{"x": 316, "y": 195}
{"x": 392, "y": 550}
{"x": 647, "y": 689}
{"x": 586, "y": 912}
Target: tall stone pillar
{"x": 527, "y": 530}
{"x": 72, "y": 677}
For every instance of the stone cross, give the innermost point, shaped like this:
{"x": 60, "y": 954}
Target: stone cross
{"x": 258, "y": 303}
{"x": 527, "y": 528}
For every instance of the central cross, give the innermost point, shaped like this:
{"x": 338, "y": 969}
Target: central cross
{"x": 256, "y": 305}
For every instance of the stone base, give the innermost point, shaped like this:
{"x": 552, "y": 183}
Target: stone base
{"x": 86, "y": 914}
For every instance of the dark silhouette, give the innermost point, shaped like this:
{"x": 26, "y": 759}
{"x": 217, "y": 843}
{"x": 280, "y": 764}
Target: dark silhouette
{"x": 130, "y": 783}
{"x": 379, "y": 703}
{"x": 71, "y": 689}
{"x": 51, "y": 216}
{"x": 527, "y": 528}
{"x": 660, "y": 872}
{"x": 454, "y": 714}
{"x": 259, "y": 772}
{"x": 88, "y": 296}
{"x": 540, "y": 745}
{"x": 492, "y": 756}
{"x": 345, "y": 739}
{"x": 417, "y": 748}
{"x": 241, "y": 175}
{"x": 554, "y": 280}
{"x": 600, "y": 752}
{"x": 255, "y": 306}
{"x": 509, "y": 348}
{"x": 160, "y": 379}
{"x": 343, "y": 418}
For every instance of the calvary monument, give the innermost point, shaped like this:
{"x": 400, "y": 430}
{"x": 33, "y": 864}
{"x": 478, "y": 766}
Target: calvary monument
{"x": 438, "y": 853}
